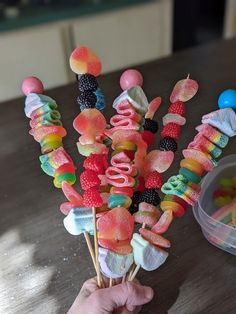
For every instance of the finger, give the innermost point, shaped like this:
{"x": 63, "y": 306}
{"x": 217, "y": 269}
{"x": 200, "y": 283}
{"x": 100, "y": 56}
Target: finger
{"x": 122, "y": 310}
{"x": 87, "y": 289}
{"x": 127, "y": 294}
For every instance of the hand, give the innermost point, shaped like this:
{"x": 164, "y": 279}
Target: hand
{"x": 123, "y": 298}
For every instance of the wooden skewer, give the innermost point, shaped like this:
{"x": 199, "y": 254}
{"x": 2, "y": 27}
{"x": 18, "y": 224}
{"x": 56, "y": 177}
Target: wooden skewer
{"x": 99, "y": 277}
{"x": 133, "y": 274}
{"x": 110, "y": 282}
{"x": 123, "y": 278}
{"x": 131, "y": 271}
{"x": 90, "y": 248}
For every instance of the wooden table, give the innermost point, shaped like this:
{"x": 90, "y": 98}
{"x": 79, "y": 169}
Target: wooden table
{"x": 42, "y": 267}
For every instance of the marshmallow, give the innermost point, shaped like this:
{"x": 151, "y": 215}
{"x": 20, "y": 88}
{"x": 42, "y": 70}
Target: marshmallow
{"x": 136, "y": 97}
{"x": 34, "y": 101}
{"x": 223, "y": 119}
{"x": 148, "y": 256}
{"x": 79, "y": 220}
{"x": 114, "y": 265}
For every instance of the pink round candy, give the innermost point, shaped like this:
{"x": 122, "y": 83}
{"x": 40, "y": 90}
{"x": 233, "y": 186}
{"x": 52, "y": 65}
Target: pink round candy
{"x": 32, "y": 84}
{"x": 130, "y": 78}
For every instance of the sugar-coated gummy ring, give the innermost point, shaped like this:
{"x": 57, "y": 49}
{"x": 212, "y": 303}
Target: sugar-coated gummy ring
{"x": 126, "y": 145}
{"x": 171, "y": 205}
{"x": 69, "y": 177}
{"x": 192, "y": 165}
{"x": 175, "y": 198}
{"x": 116, "y": 200}
{"x": 122, "y": 190}
{"x": 190, "y": 175}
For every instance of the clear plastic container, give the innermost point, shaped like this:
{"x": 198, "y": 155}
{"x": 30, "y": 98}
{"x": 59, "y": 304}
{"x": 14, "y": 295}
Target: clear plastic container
{"x": 217, "y": 233}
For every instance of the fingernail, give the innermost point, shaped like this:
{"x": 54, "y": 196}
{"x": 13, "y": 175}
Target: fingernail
{"x": 148, "y": 293}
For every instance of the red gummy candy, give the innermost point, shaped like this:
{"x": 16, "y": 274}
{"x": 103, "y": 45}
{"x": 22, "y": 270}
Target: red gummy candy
{"x": 89, "y": 179}
{"x": 171, "y": 130}
{"x": 68, "y": 167}
{"x": 141, "y": 184}
{"x": 148, "y": 137}
{"x": 119, "y": 247}
{"x": 92, "y": 198}
{"x": 154, "y": 180}
{"x": 66, "y": 207}
{"x": 117, "y": 224}
{"x": 71, "y": 194}
{"x": 177, "y": 107}
{"x": 96, "y": 162}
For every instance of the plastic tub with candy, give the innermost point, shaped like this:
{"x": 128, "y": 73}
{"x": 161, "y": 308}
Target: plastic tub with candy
{"x": 212, "y": 219}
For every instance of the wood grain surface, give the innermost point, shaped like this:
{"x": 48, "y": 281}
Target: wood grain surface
{"x": 42, "y": 267}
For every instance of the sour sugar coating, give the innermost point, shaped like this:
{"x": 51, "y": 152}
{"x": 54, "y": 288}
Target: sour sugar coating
{"x": 173, "y": 118}
{"x": 47, "y": 129}
{"x": 213, "y": 135}
{"x": 90, "y": 123}
{"x": 154, "y": 238}
{"x": 121, "y": 173}
{"x": 202, "y": 143}
{"x": 163, "y": 223}
{"x": 203, "y": 158}
{"x": 83, "y": 60}
{"x": 115, "y": 229}
{"x": 147, "y": 214}
{"x": 157, "y": 160}
{"x": 200, "y": 157}
{"x": 192, "y": 165}
{"x": 127, "y": 117}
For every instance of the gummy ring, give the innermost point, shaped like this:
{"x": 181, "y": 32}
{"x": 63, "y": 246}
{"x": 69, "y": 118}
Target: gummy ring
{"x": 50, "y": 142}
{"x": 116, "y": 200}
{"x": 68, "y": 167}
{"x": 68, "y": 177}
{"x": 176, "y": 199}
{"x": 122, "y": 190}
{"x": 205, "y": 159}
{"x": 192, "y": 165}
{"x": 126, "y": 145}
{"x": 177, "y": 209}
{"x": 190, "y": 175}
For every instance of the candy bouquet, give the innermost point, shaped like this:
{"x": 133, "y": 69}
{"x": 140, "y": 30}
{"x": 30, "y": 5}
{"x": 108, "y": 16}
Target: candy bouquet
{"x": 124, "y": 189}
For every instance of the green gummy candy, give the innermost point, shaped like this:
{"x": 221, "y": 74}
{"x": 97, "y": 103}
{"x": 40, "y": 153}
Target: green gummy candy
{"x": 116, "y": 200}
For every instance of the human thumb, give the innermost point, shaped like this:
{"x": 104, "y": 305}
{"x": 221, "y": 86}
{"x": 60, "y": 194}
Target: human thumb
{"x": 127, "y": 294}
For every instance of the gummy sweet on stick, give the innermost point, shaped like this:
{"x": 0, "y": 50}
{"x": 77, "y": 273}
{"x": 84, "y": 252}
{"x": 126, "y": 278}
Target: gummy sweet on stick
{"x": 47, "y": 129}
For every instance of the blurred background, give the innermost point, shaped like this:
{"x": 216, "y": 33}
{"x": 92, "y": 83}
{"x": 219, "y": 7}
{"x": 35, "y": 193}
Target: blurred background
{"x": 37, "y": 36}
